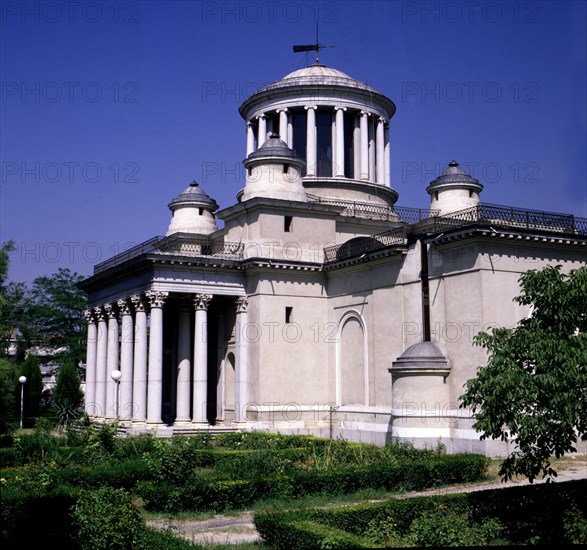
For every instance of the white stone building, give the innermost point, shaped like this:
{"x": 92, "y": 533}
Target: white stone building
{"x": 320, "y": 307}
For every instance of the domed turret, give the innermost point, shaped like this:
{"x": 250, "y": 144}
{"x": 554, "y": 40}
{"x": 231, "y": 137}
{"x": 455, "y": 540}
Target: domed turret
{"x": 274, "y": 171}
{"x": 338, "y": 125}
{"x": 193, "y": 212}
{"x": 454, "y": 190}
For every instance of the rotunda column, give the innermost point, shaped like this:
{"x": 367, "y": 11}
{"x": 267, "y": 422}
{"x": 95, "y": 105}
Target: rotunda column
{"x": 364, "y": 145}
{"x": 250, "y": 138}
{"x": 379, "y": 153}
{"x": 356, "y": 148}
{"x": 311, "y": 141}
{"x": 262, "y": 130}
{"x": 139, "y": 412}
{"x": 200, "y": 404}
{"x": 339, "y": 167}
{"x": 91, "y": 349}
{"x": 372, "y": 174}
{"x": 387, "y": 156}
{"x": 283, "y": 119}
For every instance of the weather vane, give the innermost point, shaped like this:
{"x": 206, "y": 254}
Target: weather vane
{"x": 311, "y": 47}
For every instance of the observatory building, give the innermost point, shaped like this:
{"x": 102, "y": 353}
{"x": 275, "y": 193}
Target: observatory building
{"x": 320, "y": 306}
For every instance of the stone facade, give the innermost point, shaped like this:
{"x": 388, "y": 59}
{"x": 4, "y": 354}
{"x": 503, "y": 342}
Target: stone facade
{"x": 320, "y": 306}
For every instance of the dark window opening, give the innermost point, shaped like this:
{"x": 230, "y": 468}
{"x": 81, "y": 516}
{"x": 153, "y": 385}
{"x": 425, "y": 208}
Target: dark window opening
{"x": 324, "y": 143}
{"x": 299, "y": 123}
{"x": 349, "y": 152}
{"x": 287, "y": 221}
{"x": 201, "y": 211}
{"x": 289, "y": 314}
{"x": 285, "y": 168}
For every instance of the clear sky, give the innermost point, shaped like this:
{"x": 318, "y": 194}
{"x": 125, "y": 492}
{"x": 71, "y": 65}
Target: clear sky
{"x": 111, "y": 108}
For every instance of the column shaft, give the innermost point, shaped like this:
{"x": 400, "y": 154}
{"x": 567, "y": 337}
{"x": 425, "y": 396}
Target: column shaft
{"x": 357, "y": 149}
{"x": 112, "y": 361}
{"x": 127, "y": 337}
{"x": 364, "y": 145}
{"x": 311, "y": 142}
{"x": 262, "y": 131}
{"x": 91, "y": 349}
{"x": 155, "y": 374}
{"x": 250, "y": 138}
{"x": 372, "y": 174}
{"x": 387, "y": 156}
{"x": 240, "y": 368}
{"x": 101, "y": 363}
{"x": 220, "y": 372}
{"x": 139, "y": 412}
{"x": 380, "y": 153}
{"x": 283, "y": 124}
{"x": 200, "y": 404}
{"x": 339, "y": 167}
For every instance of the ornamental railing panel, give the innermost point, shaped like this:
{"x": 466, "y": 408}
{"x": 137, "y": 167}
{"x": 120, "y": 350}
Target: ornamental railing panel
{"x": 363, "y": 245}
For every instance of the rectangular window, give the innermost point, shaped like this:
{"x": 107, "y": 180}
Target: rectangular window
{"x": 287, "y": 222}
{"x": 289, "y": 314}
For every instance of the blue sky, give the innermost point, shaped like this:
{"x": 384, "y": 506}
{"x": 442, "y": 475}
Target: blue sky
{"x": 110, "y": 109}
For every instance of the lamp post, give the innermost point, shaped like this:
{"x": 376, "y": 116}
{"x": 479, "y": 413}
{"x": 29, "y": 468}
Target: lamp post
{"x": 22, "y": 381}
{"x": 116, "y": 375}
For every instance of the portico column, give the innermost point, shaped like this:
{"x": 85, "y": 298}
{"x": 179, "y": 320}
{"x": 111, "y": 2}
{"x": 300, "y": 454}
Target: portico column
{"x": 339, "y": 167}
{"x": 261, "y": 131}
{"x": 364, "y": 145}
{"x": 311, "y": 141}
{"x": 283, "y": 124}
{"x": 240, "y": 368}
{"x": 184, "y": 365}
{"x": 379, "y": 151}
{"x": 112, "y": 360}
{"x": 101, "y": 357}
{"x": 91, "y": 349}
{"x": 139, "y": 412}
{"x": 127, "y": 340}
{"x": 155, "y": 374}
{"x": 220, "y": 376}
{"x": 250, "y": 138}
{"x": 386, "y": 153}
{"x": 200, "y": 404}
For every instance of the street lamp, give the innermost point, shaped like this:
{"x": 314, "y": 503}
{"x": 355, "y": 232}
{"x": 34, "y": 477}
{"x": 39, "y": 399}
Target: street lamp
{"x": 116, "y": 375}
{"x": 22, "y": 381}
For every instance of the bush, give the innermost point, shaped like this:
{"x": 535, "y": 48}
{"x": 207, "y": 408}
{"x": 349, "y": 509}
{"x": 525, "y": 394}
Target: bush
{"x": 107, "y": 518}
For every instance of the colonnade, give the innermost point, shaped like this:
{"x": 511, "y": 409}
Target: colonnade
{"x": 371, "y": 149}
{"x": 127, "y": 336}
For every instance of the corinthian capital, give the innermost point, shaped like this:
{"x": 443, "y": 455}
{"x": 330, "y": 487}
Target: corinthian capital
{"x": 241, "y": 304}
{"x": 202, "y": 301}
{"x": 156, "y": 297}
{"x": 124, "y": 306}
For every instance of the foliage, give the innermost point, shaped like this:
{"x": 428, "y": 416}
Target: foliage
{"x": 33, "y": 387}
{"x": 107, "y": 518}
{"x": 575, "y": 525}
{"x": 532, "y": 390}
{"x": 8, "y": 396}
{"x": 67, "y": 394}
{"x": 445, "y": 527}
{"x": 58, "y": 306}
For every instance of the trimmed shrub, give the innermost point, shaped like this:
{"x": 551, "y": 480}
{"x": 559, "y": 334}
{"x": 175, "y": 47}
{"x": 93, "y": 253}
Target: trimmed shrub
{"x": 107, "y": 518}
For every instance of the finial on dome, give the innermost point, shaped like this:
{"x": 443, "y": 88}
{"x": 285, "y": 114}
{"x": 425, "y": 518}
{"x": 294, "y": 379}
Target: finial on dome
{"x": 453, "y": 163}
{"x": 194, "y": 184}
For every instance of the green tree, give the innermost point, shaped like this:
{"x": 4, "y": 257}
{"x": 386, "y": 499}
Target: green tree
{"x": 67, "y": 394}
{"x": 33, "y": 387}
{"x": 533, "y": 389}
{"x": 8, "y": 403}
{"x": 57, "y": 313}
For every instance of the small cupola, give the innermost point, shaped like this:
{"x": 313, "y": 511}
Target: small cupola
{"x": 274, "y": 171}
{"x": 193, "y": 212}
{"x": 454, "y": 190}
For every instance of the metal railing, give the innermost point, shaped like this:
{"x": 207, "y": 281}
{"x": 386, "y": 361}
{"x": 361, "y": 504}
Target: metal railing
{"x": 193, "y": 247}
{"x": 363, "y": 245}
{"x": 510, "y": 217}
{"x": 369, "y": 210}
{"x": 142, "y": 248}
